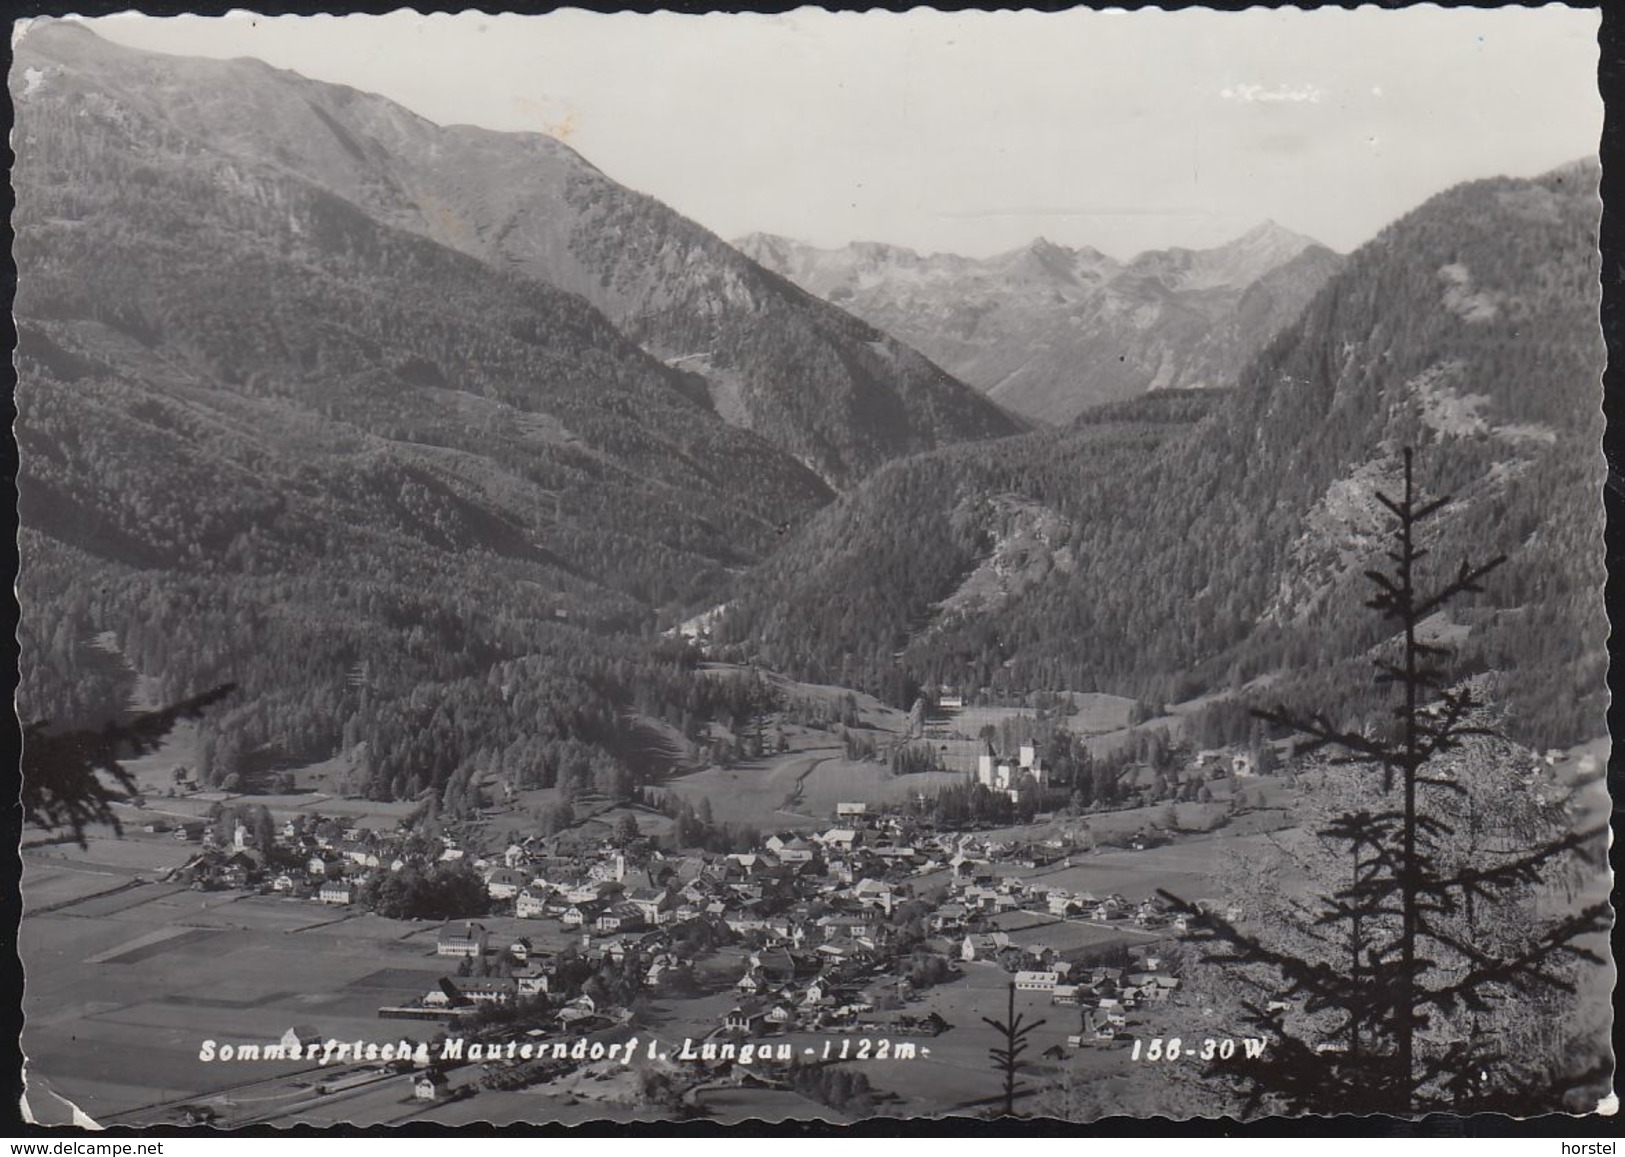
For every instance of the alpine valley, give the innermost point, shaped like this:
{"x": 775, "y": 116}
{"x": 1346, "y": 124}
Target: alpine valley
{"x": 1187, "y": 541}
{"x": 722, "y": 680}
{"x": 310, "y": 379}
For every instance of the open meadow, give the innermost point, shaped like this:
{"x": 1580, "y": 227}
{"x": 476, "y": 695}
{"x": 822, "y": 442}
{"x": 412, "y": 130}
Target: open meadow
{"x": 123, "y": 988}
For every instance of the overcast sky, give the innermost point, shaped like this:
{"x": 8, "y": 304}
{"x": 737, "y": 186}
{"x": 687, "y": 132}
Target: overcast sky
{"x": 976, "y": 132}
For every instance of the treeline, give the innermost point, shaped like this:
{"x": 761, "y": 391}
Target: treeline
{"x": 668, "y": 689}
{"x": 697, "y": 827}
{"x": 414, "y": 509}
{"x": 415, "y": 685}
{"x": 845, "y": 1090}
{"x": 441, "y": 892}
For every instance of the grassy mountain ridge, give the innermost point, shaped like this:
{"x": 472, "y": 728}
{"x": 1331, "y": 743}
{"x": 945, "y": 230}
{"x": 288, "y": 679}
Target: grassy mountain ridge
{"x": 312, "y": 309}
{"x": 267, "y": 439}
{"x": 823, "y": 386}
{"x": 1224, "y": 551}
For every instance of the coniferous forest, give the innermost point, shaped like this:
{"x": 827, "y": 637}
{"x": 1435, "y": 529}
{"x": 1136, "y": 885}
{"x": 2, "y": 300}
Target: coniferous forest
{"x": 1203, "y": 539}
{"x": 426, "y": 475}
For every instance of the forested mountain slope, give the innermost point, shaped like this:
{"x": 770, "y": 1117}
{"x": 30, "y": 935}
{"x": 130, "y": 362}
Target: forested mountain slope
{"x": 1232, "y": 547}
{"x": 807, "y": 377}
{"x": 1048, "y": 331}
{"x": 266, "y": 439}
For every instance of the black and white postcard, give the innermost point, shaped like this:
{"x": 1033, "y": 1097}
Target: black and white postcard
{"x": 811, "y": 567}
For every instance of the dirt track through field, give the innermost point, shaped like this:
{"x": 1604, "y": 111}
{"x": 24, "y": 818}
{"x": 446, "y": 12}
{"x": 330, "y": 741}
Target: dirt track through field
{"x": 798, "y": 789}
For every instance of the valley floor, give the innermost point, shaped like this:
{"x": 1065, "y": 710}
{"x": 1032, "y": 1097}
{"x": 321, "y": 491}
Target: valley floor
{"x": 129, "y": 971}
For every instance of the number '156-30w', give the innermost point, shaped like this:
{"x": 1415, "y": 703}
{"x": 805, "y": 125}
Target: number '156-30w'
{"x": 1175, "y": 1049}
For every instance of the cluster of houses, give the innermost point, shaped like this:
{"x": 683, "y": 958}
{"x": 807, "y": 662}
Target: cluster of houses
{"x": 1106, "y": 995}
{"x": 826, "y": 947}
{"x": 856, "y": 868}
{"x": 835, "y": 888}
{"x": 820, "y": 913}
{"x": 316, "y": 858}
{"x": 979, "y": 889}
{"x": 529, "y": 973}
{"x": 785, "y": 989}
{"x": 1215, "y": 763}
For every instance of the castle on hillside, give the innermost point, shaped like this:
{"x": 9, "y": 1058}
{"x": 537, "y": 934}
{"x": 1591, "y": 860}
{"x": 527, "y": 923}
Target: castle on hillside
{"x": 1004, "y": 775}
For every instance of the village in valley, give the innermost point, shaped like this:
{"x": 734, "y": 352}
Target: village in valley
{"x": 878, "y": 922}
{"x": 824, "y": 934}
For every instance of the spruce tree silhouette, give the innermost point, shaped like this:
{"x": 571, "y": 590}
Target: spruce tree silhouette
{"x": 1007, "y": 1058}
{"x": 63, "y": 784}
{"x": 1397, "y": 1012}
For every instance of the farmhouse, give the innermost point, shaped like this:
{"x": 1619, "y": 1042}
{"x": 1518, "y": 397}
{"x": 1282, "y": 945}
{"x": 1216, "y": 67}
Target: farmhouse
{"x": 359, "y": 854}
{"x": 838, "y": 925}
{"x": 430, "y": 1086}
{"x": 336, "y": 892}
{"x": 579, "y": 915}
{"x": 487, "y": 989}
{"x": 873, "y": 894}
{"x": 781, "y": 1016}
{"x": 504, "y": 883}
{"x": 843, "y": 838}
{"x": 468, "y": 940}
{"x": 530, "y": 983}
{"x": 586, "y": 893}
{"x": 794, "y": 851}
{"x": 744, "y": 1020}
{"x": 1160, "y": 987}
{"x": 651, "y": 903}
{"x": 1037, "y": 981}
{"x": 969, "y": 868}
{"x": 619, "y": 918}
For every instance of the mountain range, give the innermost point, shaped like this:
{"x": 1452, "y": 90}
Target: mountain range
{"x": 275, "y": 429}
{"x": 1189, "y": 541}
{"x": 310, "y": 386}
{"x": 1048, "y": 331}
{"x": 828, "y": 389}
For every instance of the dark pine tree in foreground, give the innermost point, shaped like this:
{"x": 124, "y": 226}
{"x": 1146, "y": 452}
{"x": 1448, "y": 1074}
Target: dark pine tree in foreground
{"x": 1414, "y": 969}
{"x": 1013, "y": 1031}
{"x": 72, "y": 779}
